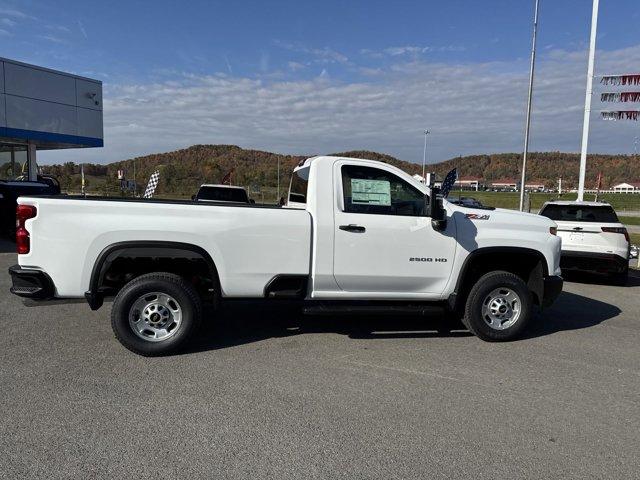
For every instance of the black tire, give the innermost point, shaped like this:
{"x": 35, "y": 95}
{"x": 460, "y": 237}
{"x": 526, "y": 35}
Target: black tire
{"x": 187, "y": 299}
{"x": 473, "y": 313}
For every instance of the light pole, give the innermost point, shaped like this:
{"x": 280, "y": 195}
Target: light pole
{"x": 278, "y": 179}
{"x": 587, "y": 101}
{"x": 523, "y": 178}
{"x": 424, "y": 158}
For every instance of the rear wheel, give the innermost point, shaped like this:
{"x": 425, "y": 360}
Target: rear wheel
{"x": 499, "y": 307}
{"x": 156, "y": 314}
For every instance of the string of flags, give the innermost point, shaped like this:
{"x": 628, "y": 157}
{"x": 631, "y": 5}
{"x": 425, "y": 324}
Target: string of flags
{"x": 620, "y": 97}
{"x": 630, "y": 79}
{"x": 621, "y": 115}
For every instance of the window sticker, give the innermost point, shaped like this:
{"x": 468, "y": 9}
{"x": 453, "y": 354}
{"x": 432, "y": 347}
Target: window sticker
{"x": 370, "y": 192}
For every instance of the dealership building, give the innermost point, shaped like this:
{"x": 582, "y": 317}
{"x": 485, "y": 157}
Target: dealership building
{"x": 43, "y": 109}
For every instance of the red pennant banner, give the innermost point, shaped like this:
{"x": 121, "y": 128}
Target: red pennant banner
{"x": 226, "y": 180}
{"x": 621, "y": 115}
{"x": 630, "y": 79}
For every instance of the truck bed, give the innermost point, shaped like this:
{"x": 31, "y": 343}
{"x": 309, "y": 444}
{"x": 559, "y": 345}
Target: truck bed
{"x": 248, "y": 243}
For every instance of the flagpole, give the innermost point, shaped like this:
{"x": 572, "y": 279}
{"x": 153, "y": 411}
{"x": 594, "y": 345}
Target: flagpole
{"x": 424, "y": 157}
{"x": 523, "y": 178}
{"x": 82, "y": 178}
{"x": 278, "y": 178}
{"x": 587, "y": 100}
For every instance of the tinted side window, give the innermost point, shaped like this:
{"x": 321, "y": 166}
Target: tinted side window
{"x": 299, "y": 185}
{"x": 580, "y": 213}
{"x": 374, "y": 191}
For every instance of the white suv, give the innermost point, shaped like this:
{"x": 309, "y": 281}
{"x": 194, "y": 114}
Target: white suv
{"x": 593, "y": 239}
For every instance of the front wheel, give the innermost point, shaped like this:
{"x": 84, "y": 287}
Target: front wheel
{"x": 499, "y": 307}
{"x": 156, "y": 314}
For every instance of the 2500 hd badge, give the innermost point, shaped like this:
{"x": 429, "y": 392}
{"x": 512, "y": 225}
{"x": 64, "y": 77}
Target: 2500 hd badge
{"x": 427, "y": 259}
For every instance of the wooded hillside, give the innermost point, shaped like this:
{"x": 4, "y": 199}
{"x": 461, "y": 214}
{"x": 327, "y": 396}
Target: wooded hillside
{"x": 182, "y": 171}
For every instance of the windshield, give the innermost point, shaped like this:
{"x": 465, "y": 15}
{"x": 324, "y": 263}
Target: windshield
{"x": 580, "y": 213}
{"x": 223, "y": 194}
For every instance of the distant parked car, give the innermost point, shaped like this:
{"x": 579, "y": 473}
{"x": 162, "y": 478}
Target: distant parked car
{"x": 221, "y": 193}
{"x": 593, "y": 239}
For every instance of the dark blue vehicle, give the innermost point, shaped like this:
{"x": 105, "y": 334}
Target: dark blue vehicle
{"x": 14, "y": 182}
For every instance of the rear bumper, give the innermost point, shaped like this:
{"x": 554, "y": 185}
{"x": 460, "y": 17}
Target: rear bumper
{"x": 29, "y": 283}
{"x": 606, "y": 263}
{"x": 552, "y": 289}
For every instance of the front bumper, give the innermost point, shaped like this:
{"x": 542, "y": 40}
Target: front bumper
{"x": 606, "y": 263}
{"x": 552, "y": 289}
{"x": 30, "y": 283}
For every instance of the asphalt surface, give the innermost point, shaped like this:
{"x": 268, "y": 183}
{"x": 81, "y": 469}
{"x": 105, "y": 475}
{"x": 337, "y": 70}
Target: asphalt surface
{"x": 271, "y": 395}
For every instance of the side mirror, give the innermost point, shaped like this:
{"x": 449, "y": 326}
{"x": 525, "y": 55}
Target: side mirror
{"x": 435, "y": 210}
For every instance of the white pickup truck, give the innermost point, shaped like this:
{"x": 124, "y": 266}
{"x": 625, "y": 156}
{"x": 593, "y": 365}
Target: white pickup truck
{"x": 355, "y": 236}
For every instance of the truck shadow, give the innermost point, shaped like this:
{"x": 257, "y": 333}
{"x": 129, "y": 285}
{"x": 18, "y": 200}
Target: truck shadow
{"x": 594, "y": 279}
{"x": 243, "y": 324}
{"x": 7, "y": 245}
{"x": 571, "y": 312}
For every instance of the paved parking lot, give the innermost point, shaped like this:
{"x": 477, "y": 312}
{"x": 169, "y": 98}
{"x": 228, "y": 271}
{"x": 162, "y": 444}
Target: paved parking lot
{"x": 272, "y": 395}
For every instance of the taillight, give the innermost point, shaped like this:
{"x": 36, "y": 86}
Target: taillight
{"x": 23, "y": 213}
{"x": 553, "y": 230}
{"x": 621, "y": 230}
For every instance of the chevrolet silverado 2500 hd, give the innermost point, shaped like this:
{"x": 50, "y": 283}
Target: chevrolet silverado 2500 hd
{"x": 355, "y": 235}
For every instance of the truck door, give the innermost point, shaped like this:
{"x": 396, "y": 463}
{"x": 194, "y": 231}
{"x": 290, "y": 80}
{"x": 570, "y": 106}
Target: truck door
{"x": 383, "y": 241}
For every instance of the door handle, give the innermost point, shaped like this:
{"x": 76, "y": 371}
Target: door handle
{"x": 352, "y": 228}
{"x": 577, "y": 229}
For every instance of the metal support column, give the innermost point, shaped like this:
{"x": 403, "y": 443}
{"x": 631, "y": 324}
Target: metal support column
{"x": 31, "y": 159}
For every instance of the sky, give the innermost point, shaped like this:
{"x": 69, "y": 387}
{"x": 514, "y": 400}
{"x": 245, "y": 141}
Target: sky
{"x": 314, "y": 77}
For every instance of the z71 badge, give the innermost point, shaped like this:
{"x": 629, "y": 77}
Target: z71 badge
{"x": 475, "y": 216}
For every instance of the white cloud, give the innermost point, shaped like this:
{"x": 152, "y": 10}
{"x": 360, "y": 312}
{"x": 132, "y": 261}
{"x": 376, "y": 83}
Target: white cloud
{"x": 82, "y": 30}
{"x": 59, "y": 28}
{"x": 264, "y": 62}
{"x": 296, "y": 66}
{"x": 468, "y": 107}
{"x": 226, "y": 61}
{"x": 318, "y": 55}
{"x": 7, "y": 22}
{"x": 408, "y": 49}
{"x": 11, "y": 12}
{"x": 52, "y": 38}
{"x": 412, "y": 50}
{"x": 5, "y": 33}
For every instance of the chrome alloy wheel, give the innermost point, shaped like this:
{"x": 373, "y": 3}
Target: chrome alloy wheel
{"x": 155, "y": 316}
{"x": 501, "y": 308}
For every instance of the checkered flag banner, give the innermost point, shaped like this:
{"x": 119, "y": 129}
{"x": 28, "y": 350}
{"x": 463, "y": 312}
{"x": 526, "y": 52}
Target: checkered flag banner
{"x": 153, "y": 183}
{"x": 448, "y": 182}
